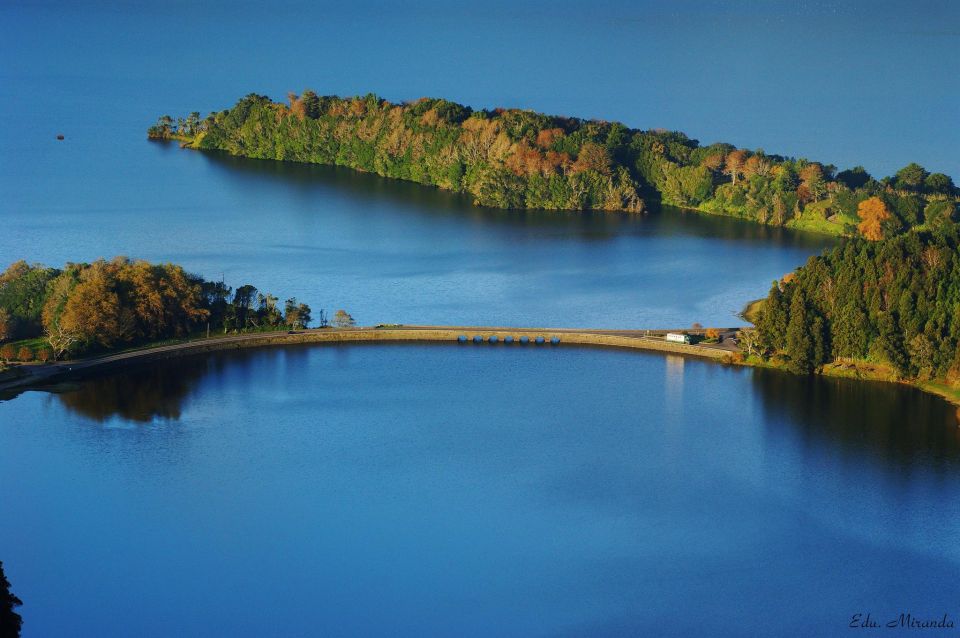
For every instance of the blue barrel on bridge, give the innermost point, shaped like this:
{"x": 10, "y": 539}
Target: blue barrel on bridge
{"x": 493, "y": 339}
{"x": 540, "y": 341}
{"x": 554, "y": 341}
{"x": 462, "y": 338}
{"x": 508, "y": 339}
{"x": 524, "y": 340}
{"x": 478, "y": 338}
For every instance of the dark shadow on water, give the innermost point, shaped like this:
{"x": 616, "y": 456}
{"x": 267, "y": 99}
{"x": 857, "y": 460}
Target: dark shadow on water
{"x": 138, "y": 393}
{"x": 871, "y": 420}
{"x": 144, "y": 392}
{"x": 417, "y": 199}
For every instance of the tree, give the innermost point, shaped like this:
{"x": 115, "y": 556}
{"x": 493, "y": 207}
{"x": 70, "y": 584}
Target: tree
{"x": 812, "y": 179}
{"x": 8, "y": 352}
{"x": 24, "y": 354}
{"x": 873, "y": 212}
{"x": 922, "y": 353}
{"x": 93, "y": 310}
{"x": 734, "y": 163}
{"x": 854, "y": 178}
{"x": 304, "y": 311}
{"x": 61, "y": 340}
{"x": 10, "y": 620}
{"x": 267, "y": 311}
{"x": 296, "y": 315}
{"x": 311, "y": 104}
{"x": 890, "y": 343}
{"x": 242, "y": 302}
{"x": 192, "y": 124}
{"x": 940, "y": 214}
{"x": 592, "y": 157}
{"x": 6, "y": 325}
{"x": 757, "y": 165}
{"x": 341, "y": 319}
{"x": 779, "y": 210}
{"x": 939, "y": 184}
{"x": 772, "y": 319}
{"x": 750, "y": 342}
{"x": 800, "y": 344}
{"x": 23, "y": 289}
{"x": 850, "y": 329}
{"x": 162, "y": 129}
{"x": 911, "y": 177}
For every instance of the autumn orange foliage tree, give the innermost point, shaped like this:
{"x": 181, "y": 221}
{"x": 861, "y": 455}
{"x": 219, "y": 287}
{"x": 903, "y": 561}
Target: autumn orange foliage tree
{"x": 734, "y": 163}
{"x": 873, "y": 212}
{"x": 109, "y": 304}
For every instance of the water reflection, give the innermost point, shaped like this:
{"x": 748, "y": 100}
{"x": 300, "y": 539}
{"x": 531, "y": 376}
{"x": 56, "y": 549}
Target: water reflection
{"x": 872, "y": 420}
{"x": 417, "y": 199}
{"x": 884, "y": 422}
{"x": 139, "y": 394}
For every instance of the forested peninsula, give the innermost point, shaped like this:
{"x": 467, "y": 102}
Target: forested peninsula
{"x": 91, "y": 308}
{"x": 520, "y": 159}
{"x": 887, "y": 310}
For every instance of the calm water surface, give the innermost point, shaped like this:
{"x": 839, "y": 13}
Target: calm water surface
{"x": 366, "y": 490}
{"x": 390, "y": 251}
{"x": 456, "y": 491}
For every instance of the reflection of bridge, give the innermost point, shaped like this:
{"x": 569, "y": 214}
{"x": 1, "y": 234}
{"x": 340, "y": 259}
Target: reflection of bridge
{"x": 36, "y": 374}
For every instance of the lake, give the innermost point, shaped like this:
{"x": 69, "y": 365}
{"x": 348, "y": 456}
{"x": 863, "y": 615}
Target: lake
{"x": 479, "y": 490}
{"x": 367, "y": 490}
{"x": 395, "y": 252}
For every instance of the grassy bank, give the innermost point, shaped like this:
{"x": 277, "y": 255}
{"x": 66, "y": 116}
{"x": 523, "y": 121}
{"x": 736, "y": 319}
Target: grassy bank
{"x": 860, "y": 370}
{"x": 751, "y": 311}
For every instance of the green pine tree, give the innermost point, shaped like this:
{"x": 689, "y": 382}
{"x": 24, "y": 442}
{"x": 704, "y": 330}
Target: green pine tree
{"x": 800, "y": 345}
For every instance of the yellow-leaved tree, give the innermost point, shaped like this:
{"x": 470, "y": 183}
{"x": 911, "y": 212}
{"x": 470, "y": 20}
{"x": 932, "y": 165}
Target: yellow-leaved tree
{"x": 872, "y": 212}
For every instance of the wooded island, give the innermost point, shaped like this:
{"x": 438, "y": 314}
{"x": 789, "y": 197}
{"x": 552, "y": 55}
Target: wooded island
{"x": 520, "y": 159}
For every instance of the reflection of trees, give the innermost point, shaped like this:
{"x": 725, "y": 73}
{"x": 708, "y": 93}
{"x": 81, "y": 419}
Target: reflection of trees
{"x": 427, "y": 201}
{"x": 872, "y": 420}
{"x": 139, "y": 393}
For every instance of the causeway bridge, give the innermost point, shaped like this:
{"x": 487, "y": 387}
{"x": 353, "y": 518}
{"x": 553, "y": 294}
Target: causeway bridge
{"x": 26, "y": 376}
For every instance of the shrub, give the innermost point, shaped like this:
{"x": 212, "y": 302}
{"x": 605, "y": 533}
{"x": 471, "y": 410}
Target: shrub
{"x": 44, "y": 355}
{"x": 8, "y": 352}
{"x": 25, "y": 354}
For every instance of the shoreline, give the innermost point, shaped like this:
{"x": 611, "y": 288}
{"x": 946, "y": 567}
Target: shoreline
{"x": 35, "y": 376}
{"x": 190, "y": 143}
{"x": 23, "y": 378}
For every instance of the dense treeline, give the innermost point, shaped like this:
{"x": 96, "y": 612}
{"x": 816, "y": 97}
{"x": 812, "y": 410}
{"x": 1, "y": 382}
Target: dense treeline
{"x": 104, "y": 305}
{"x": 509, "y": 158}
{"x": 894, "y": 302}
{"x": 10, "y": 621}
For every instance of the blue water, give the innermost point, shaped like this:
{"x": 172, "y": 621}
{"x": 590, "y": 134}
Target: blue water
{"x": 868, "y": 82}
{"x": 366, "y": 490}
{"x": 392, "y": 252}
{"x": 476, "y": 490}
